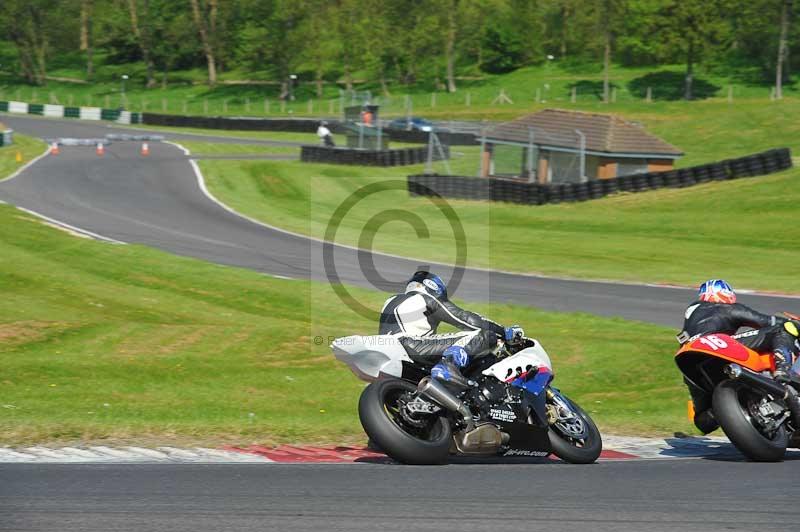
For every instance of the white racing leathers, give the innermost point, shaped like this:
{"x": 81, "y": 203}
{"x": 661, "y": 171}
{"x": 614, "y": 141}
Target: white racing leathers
{"x": 415, "y": 316}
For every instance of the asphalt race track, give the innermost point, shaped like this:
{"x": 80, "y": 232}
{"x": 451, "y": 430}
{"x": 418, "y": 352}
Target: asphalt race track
{"x": 609, "y": 496}
{"x": 157, "y": 202}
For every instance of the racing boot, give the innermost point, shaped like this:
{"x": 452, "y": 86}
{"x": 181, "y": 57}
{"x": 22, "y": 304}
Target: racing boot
{"x": 785, "y": 374}
{"x": 705, "y": 422}
{"x": 783, "y": 367}
{"x": 448, "y": 370}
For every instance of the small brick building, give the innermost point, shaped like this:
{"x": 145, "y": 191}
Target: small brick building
{"x": 558, "y": 146}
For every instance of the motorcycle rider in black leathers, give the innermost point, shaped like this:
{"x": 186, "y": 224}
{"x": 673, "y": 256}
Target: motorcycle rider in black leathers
{"x": 717, "y": 311}
{"x": 415, "y": 316}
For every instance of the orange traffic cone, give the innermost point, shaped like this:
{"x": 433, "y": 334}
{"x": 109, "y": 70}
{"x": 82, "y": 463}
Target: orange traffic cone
{"x": 54, "y": 149}
{"x": 100, "y": 148}
{"x": 145, "y": 149}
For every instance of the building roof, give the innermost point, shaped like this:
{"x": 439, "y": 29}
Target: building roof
{"x": 604, "y": 133}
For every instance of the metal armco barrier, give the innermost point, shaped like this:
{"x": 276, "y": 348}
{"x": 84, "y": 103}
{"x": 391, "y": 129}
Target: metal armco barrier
{"x": 400, "y": 157}
{"x": 476, "y": 188}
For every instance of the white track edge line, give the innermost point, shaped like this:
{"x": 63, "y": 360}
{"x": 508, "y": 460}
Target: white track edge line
{"x": 202, "y": 184}
{"x": 73, "y": 228}
{"x": 26, "y": 166}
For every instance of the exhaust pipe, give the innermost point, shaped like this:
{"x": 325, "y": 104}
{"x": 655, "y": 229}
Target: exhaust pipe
{"x": 737, "y": 372}
{"x": 440, "y": 395}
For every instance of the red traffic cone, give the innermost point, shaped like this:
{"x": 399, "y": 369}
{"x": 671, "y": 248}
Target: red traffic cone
{"x": 54, "y": 150}
{"x": 100, "y": 148}
{"x": 145, "y": 149}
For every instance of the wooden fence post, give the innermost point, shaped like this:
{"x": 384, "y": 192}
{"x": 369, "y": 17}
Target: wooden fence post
{"x": 205, "y": 106}
{"x": 649, "y": 97}
{"x": 574, "y": 96}
{"x": 266, "y": 106}
{"x": 468, "y": 99}
{"x": 730, "y": 93}
{"x": 433, "y": 99}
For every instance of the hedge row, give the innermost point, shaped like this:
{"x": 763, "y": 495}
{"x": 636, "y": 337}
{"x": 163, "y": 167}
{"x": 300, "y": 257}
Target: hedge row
{"x": 405, "y": 156}
{"x": 537, "y": 194}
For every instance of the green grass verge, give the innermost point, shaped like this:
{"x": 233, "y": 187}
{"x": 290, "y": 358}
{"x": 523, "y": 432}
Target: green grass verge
{"x": 108, "y": 343}
{"x": 26, "y": 148}
{"x": 739, "y": 230}
{"x": 219, "y": 148}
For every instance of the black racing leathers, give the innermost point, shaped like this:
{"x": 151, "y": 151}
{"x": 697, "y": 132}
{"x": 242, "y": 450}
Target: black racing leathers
{"x": 703, "y": 318}
{"x": 417, "y": 315}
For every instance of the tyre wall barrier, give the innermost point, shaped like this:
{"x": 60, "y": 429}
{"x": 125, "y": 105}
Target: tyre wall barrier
{"x": 400, "y": 157}
{"x": 477, "y": 188}
{"x": 298, "y": 125}
{"x": 81, "y": 113}
{"x": 6, "y": 138}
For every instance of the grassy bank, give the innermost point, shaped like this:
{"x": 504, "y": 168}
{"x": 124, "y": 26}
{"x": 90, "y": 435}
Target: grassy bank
{"x": 22, "y": 151}
{"x": 106, "y": 343}
{"x": 214, "y": 148}
{"x": 658, "y": 236}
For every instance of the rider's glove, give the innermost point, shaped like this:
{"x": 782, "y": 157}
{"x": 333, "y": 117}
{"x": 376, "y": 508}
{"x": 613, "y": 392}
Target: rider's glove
{"x": 514, "y": 334}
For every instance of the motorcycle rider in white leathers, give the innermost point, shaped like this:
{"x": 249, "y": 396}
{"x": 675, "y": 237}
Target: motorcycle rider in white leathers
{"x": 415, "y": 315}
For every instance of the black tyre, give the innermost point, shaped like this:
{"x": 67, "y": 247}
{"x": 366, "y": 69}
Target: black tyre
{"x": 575, "y": 440}
{"x": 425, "y": 442}
{"x": 732, "y": 402}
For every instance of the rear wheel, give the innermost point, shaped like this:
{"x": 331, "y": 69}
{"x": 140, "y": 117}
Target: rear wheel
{"x": 573, "y": 435}
{"x": 408, "y": 438}
{"x": 736, "y": 407}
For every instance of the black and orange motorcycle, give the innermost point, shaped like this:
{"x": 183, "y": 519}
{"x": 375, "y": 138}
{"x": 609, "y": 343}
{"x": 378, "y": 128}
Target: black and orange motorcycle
{"x": 749, "y": 405}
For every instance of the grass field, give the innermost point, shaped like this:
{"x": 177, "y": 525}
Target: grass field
{"x": 215, "y": 148}
{"x": 108, "y": 343}
{"x": 26, "y": 148}
{"x": 738, "y": 230}
{"x": 553, "y": 83}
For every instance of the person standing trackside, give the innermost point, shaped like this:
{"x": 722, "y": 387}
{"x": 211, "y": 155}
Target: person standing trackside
{"x": 325, "y": 136}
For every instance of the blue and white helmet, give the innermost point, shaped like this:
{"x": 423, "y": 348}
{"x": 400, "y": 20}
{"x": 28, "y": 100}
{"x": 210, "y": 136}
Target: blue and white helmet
{"x": 432, "y": 284}
{"x": 717, "y": 291}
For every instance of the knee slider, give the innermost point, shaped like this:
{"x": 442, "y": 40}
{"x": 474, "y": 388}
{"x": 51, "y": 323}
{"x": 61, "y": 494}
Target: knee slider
{"x": 791, "y": 328}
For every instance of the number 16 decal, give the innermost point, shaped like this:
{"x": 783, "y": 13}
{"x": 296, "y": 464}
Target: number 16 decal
{"x": 714, "y": 342}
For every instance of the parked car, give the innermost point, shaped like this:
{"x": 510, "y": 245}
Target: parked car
{"x": 413, "y": 123}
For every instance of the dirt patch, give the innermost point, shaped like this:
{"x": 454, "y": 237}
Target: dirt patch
{"x": 22, "y": 332}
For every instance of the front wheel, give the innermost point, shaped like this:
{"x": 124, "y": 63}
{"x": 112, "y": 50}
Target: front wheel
{"x": 736, "y": 410}
{"x": 573, "y": 435}
{"x": 408, "y": 438}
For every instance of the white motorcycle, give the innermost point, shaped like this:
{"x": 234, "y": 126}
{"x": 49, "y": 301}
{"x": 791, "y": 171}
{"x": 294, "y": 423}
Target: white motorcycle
{"x": 509, "y": 408}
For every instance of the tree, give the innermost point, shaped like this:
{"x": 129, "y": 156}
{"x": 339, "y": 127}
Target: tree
{"x": 692, "y": 27}
{"x": 786, "y": 10}
{"x": 141, "y": 25}
{"x": 87, "y": 41}
{"x": 611, "y": 11}
{"x": 30, "y": 24}
{"x": 205, "y": 20}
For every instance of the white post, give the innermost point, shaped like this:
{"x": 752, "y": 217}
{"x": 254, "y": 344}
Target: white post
{"x": 582, "y": 138}
{"x": 531, "y": 135}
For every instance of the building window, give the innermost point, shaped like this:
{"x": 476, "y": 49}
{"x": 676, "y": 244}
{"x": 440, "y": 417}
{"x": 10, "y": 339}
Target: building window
{"x": 631, "y": 166}
{"x": 563, "y": 167}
